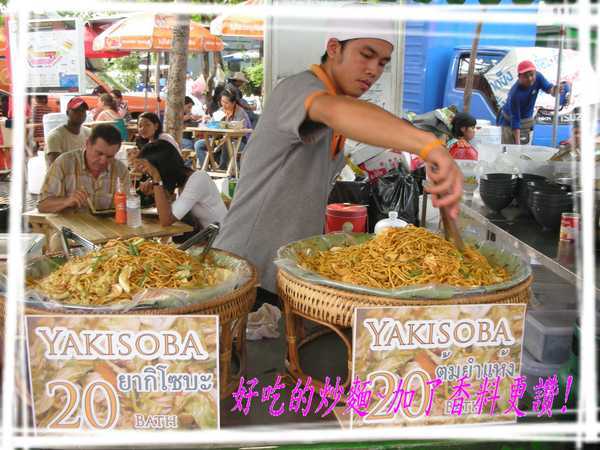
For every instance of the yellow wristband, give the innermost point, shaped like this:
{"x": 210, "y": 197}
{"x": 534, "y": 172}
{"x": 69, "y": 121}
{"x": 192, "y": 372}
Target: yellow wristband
{"x": 427, "y": 149}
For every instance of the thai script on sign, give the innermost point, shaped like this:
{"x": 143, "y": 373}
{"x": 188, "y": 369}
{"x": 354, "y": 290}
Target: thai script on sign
{"x": 156, "y": 379}
{"x": 504, "y": 79}
{"x": 473, "y": 370}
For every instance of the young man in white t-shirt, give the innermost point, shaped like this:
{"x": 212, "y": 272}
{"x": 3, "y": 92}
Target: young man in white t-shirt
{"x": 72, "y": 135}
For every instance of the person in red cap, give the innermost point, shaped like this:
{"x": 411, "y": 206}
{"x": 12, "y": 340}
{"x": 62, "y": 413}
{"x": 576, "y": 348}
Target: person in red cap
{"x": 516, "y": 116}
{"x": 72, "y": 135}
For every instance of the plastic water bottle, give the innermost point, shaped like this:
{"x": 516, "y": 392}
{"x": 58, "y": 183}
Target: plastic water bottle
{"x": 391, "y": 222}
{"x": 134, "y": 210}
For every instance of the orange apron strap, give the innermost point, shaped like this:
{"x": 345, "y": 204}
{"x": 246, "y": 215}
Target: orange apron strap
{"x": 337, "y": 141}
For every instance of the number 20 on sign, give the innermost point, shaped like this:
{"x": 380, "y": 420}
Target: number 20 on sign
{"x": 79, "y": 405}
{"x": 119, "y": 372}
{"x": 394, "y": 398}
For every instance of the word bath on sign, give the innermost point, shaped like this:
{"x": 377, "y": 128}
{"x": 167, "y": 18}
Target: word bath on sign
{"x": 124, "y": 372}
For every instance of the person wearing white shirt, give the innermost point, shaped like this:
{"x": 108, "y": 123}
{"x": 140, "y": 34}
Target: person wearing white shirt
{"x": 198, "y": 194}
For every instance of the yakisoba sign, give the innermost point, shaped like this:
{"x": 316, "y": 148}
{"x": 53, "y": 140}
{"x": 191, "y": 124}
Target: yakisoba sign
{"x": 388, "y": 334}
{"x": 124, "y": 372}
{"x": 433, "y": 364}
{"x": 62, "y": 343}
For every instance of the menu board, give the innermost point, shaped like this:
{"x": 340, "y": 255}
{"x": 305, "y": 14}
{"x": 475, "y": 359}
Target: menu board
{"x": 55, "y": 56}
{"x": 99, "y": 372}
{"x": 426, "y": 365}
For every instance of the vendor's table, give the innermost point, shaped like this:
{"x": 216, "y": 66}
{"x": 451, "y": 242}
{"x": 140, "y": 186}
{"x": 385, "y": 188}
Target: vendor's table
{"x": 216, "y": 138}
{"x": 101, "y": 229}
{"x": 334, "y": 309}
{"x": 514, "y": 227}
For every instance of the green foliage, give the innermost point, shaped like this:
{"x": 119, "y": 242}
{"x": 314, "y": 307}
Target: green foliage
{"x": 255, "y": 75}
{"x": 125, "y": 69}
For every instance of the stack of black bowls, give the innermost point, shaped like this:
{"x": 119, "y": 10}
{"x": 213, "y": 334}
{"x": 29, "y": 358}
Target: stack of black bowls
{"x": 522, "y": 194}
{"x": 4, "y": 209}
{"x": 547, "y": 202}
{"x": 497, "y": 190}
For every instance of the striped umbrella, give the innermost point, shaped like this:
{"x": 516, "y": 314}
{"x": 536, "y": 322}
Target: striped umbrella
{"x": 148, "y": 32}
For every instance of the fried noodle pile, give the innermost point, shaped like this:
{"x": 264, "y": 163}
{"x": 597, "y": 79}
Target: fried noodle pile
{"x": 403, "y": 257}
{"x": 120, "y": 269}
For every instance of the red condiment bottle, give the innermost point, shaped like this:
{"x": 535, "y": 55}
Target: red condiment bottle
{"x": 120, "y": 200}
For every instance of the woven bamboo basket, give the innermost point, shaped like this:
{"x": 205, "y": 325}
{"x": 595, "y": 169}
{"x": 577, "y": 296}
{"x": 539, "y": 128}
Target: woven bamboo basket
{"x": 232, "y": 309}
{"x": 334, "y": 308}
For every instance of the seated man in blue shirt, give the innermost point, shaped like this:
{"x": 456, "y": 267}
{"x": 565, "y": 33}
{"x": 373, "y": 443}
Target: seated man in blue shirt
{"x": 516, "y": 116}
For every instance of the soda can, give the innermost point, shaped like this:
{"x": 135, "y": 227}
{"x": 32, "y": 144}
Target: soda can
{"x": 569, "y": 226}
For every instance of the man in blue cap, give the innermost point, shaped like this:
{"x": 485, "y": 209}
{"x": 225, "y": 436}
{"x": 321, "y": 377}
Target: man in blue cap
{"x": 516, "y": 116}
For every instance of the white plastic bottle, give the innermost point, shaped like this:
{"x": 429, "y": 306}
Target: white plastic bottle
{"x": 134, "y": 210}
{"x": 391, "y": 222}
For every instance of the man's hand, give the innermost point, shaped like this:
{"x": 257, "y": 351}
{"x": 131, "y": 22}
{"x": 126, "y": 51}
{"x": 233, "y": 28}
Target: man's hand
{"x": 517, "y": 135}
{"x": 446, "y": 187}
{"x": 76, "y": 199}
{"x": 563, "y": 86}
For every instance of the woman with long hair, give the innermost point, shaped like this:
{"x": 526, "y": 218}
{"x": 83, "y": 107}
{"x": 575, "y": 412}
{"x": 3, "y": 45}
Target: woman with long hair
{"x": 150, "y": 130}
{"x": 230, "y": 111}
{"x": 198, "y": 194}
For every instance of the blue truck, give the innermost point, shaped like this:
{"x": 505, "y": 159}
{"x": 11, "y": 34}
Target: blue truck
{"x": 436, "y": 62}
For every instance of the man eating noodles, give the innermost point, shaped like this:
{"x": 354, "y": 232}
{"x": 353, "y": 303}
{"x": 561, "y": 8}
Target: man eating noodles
{"x": 79, "y": 177}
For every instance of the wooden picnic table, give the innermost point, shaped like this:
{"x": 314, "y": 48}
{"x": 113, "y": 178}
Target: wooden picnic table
{"x": 219, "y": 137}
{"x": 101, "y": 229}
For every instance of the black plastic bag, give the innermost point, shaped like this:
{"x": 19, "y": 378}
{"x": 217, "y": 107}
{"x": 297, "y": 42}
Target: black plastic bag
{"x": 356, "y": 192}
{"x": 420, "y": 177}
{"x": 396, "y": 191}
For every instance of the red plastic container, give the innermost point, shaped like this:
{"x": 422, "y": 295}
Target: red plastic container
{"x": 346, "y": 217}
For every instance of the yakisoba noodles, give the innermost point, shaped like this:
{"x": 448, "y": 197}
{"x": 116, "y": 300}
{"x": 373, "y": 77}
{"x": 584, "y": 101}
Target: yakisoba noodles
{"x": 402, "y": 257}
{"x": 120, "y": 269}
